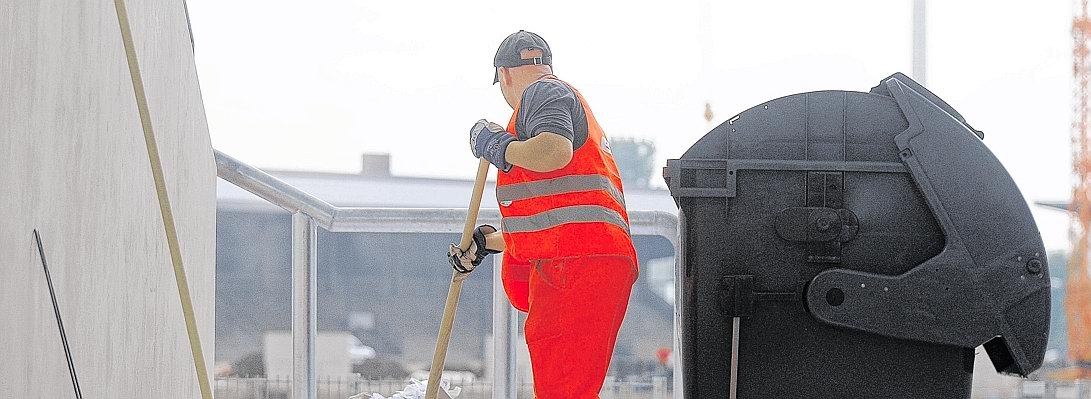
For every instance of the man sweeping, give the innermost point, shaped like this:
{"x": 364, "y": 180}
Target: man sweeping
{"x": 568, "y": 261}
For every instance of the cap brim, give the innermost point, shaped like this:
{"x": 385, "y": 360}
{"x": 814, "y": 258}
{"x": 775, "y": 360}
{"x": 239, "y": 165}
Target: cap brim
{"x": 496, "y": 76}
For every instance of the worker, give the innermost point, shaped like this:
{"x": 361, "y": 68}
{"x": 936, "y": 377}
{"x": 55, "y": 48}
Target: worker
{"x": 568, "y": 258}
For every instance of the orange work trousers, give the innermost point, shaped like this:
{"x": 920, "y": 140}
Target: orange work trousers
{"x": 574, "y": 307}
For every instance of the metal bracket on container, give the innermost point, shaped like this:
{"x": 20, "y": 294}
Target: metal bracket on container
{"x": 716, "y": 178}
{"x": 816, "y": 224}
{"x": 737, "y": 295}
{"x": 826, "y": 190}
{"x": 737, "y": 298}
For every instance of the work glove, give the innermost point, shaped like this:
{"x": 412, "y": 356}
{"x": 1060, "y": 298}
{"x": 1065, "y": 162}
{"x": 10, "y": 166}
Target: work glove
{"x": 490, "y": 141}
{"x": 466, "y": 261}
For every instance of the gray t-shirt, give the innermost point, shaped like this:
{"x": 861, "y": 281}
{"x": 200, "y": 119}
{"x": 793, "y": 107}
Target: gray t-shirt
{"x": 551, "y": 106}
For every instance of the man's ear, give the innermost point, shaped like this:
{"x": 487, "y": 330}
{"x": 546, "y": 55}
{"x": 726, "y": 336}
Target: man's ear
{"x": 505, "y": 76}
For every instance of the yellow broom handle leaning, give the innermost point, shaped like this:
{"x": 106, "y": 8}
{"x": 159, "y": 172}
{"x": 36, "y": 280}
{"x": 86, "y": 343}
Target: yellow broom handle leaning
{"x": 164, "y": 201}
{"x": 445, "y": 324}
{"x": 475, "y": 204}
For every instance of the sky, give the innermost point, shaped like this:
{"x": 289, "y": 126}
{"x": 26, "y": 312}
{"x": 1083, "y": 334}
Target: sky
{"x": 313, "y": 85}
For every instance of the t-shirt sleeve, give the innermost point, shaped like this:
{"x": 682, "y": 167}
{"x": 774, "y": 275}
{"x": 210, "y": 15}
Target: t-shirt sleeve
{"x": 547, "y": 106}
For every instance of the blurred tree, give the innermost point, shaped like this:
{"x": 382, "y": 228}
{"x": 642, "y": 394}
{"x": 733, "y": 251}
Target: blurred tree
{"x": 250, "y": 365}
{"x": 635, "y": 160}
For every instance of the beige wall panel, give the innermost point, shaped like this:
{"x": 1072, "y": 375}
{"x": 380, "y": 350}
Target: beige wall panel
{"x": 73, "y": 164}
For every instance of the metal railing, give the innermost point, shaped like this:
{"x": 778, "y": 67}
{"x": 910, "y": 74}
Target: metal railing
{"x": 352, "y": 387}
{"x": 635, "y": 388}
{"x": 310, "y": 212}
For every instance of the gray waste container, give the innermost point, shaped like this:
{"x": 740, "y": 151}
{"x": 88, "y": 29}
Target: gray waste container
{"x": 841, "y": 244}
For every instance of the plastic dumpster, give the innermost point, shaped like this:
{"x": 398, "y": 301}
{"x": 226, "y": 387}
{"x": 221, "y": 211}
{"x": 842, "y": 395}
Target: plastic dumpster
{"x": 849, "y": 244}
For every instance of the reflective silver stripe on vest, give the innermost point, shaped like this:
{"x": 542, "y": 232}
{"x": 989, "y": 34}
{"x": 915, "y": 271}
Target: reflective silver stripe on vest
{"x": 559, "y": 216}
{"x": 559, "y": 185}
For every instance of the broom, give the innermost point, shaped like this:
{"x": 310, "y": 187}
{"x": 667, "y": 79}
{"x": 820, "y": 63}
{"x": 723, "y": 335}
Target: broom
{"x": 444, "y": 338}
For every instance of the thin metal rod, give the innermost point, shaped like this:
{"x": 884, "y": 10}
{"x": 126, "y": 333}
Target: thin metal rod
{"x": 505, "y": 329}
{"x": 734, "y": 357}
{"x": 406, "y": 220}
{"x": 304, "y": 305}
{"x": 60, "y": 324}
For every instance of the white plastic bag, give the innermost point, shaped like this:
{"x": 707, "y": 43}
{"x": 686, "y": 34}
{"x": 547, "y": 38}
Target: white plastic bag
{"x": 416, "y": 390}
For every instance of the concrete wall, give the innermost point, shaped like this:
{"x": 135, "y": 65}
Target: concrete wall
{"x": 73, "y": 164}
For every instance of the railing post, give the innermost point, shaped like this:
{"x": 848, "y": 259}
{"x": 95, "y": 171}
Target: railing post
{"x": 505, "y": 330}
{"x": 304, "y": 305}
{"x": 659, "y": 387}
{"x": 677, "y": 366}
{"x": 1049, "y": 391}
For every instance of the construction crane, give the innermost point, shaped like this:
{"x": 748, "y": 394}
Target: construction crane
{"x": 1078, "y": 286}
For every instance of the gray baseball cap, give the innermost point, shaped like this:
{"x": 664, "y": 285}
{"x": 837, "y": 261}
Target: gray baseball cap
{"x": 508, "y": 53}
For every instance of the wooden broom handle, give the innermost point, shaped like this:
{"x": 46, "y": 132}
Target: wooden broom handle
{"x": 445, "y": 324}
{"x": 475, "y": 204}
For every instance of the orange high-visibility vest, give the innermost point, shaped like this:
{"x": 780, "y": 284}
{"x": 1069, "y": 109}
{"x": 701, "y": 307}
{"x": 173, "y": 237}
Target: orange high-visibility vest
{"x": 576, "y": 210}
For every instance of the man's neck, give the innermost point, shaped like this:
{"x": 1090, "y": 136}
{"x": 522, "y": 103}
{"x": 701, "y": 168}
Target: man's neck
{"x": 544, "y": 75}
{"x": 530, "y": 80}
